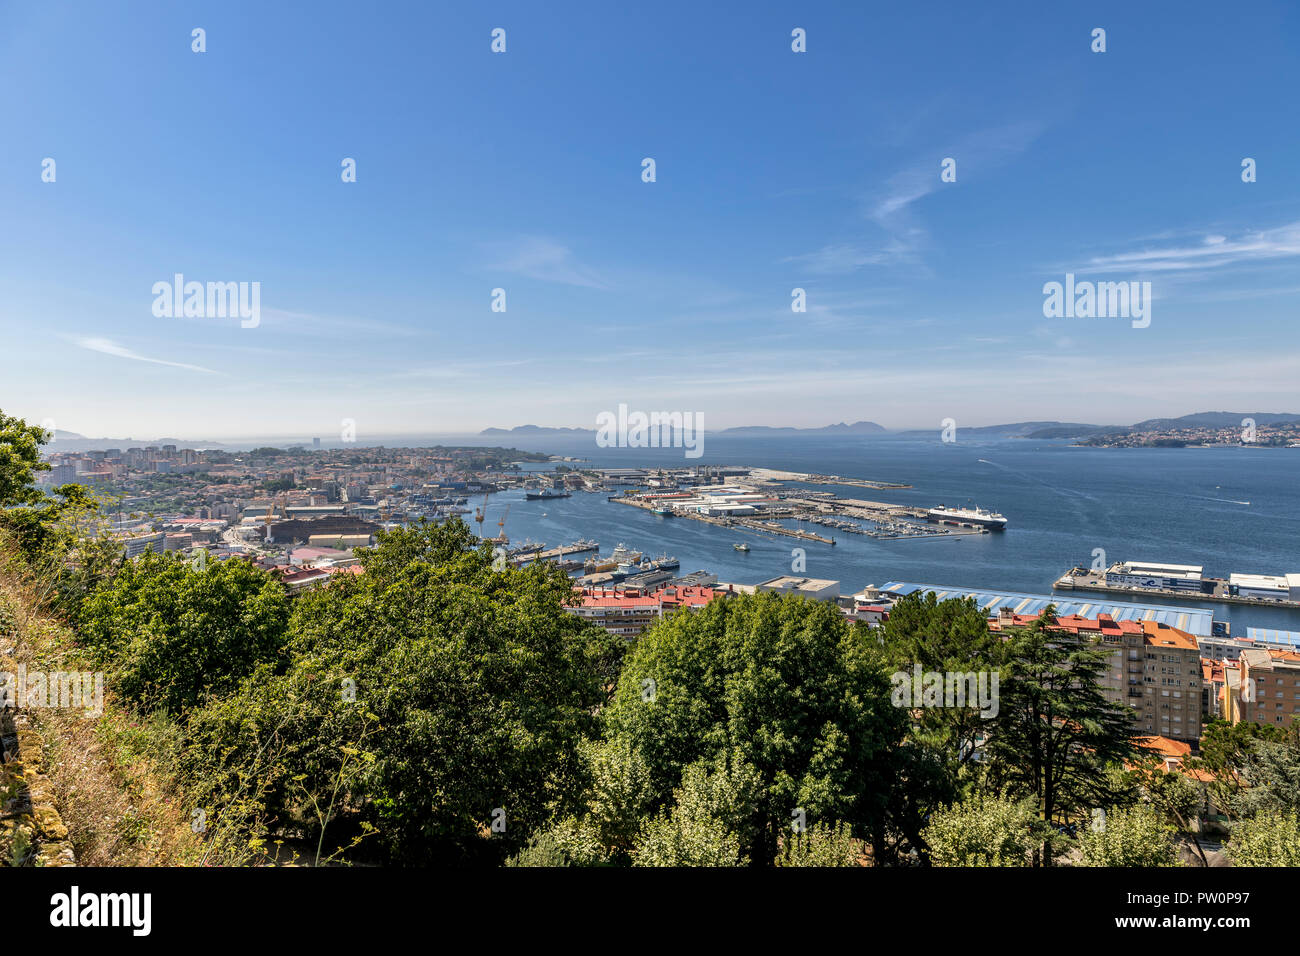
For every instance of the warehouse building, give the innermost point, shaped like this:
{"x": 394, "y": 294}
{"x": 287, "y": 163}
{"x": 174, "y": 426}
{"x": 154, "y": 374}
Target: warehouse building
{"x": 1169, "y": 577}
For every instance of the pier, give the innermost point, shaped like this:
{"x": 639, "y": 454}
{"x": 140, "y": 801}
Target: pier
{"x": 1079, "y": 579}
{"x": 578, "y": 547}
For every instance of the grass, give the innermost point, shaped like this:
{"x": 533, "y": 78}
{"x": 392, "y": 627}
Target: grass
{"x": 111, "y": 775}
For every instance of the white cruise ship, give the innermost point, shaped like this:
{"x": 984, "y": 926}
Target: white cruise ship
{"x": 987, "y": 519}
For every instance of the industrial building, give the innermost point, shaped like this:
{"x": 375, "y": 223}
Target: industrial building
{"x": 1274, "y": 587}
{"x": 1196, "y": 621}
{"x": 1168, "y": 577}
{"x": 822, "y": 590}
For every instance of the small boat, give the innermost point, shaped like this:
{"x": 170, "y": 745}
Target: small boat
{"x": 741, "y": 547}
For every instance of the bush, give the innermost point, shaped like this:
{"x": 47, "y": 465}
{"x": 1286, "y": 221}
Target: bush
{"x": 172, "y": 635}
{"x": 1270, "y": 838}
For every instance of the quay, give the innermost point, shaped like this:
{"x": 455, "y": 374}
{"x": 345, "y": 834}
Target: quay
{"x": 1081, "y": 579}
{"x": 578, "y": 547}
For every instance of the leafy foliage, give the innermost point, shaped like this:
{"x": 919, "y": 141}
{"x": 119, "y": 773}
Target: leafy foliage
{"x": 985, "y": 831}
{"x": 1057, "y": 736}
{"x": 20, "y": 459}
{"x": 478, "y": 687}
{"x": 174, "y": 635}
{"x": 1133, "y": 837}
{"x": 1270, "y": 838}
{"x": 776, "y": 684}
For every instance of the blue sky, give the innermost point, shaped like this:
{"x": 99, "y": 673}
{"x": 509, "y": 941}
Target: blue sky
{"x": 522, "y": 171}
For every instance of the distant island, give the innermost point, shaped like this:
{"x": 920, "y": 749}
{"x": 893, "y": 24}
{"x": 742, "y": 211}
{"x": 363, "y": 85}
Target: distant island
{"x": 840, "y": 428}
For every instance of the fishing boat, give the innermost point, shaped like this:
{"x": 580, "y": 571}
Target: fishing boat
{"x": 741, "y": 547}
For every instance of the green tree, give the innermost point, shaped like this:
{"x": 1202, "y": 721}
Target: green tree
{"x": 20, "y": 458}
{"x": 1271, "y": 771}
{"x": 1057, "y": 737}
{"x": 1135, "y": 837}
{"x": 985, "y": 830}
{"x": 821, "y": 845}
{"x": 481, "y": 687}
{"x": 1270, "y": 838}
{"x": 949, "y": 636}
{"x": 937, "y": 762}
{"x": 778, "y": 684}
{"x": 570, "y": 842}
{"x": 1253, "y": 766}
{"x": 174, "y": 635}
{"x": 703, "y": 827}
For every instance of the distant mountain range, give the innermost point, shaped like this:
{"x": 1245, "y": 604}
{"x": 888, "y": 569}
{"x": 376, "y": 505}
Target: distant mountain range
{"x": 1035, "y": 430}
{"x": 69, "y": 441}
{"x": 72, "y": 441}
{"x": 537, "y": 430}
{"x": 840, "y": 428}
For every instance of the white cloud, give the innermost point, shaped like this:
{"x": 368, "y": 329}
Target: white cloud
{"x": 537, "y": 257}
{"x": 1214, "y": 252}
{"x": 109, "y": 347}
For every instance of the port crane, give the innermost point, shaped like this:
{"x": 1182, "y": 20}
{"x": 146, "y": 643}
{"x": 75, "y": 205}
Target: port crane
{"x": 501, "y": 537}
{"x": 480, "y": 514}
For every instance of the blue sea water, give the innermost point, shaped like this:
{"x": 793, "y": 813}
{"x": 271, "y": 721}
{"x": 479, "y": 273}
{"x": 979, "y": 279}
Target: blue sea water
{"x": 1229, "y": 509}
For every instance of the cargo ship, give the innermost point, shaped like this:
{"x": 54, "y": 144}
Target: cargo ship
{"x": 977, "y": 516}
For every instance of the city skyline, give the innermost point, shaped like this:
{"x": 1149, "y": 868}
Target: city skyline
{"x": 523, "y": 171}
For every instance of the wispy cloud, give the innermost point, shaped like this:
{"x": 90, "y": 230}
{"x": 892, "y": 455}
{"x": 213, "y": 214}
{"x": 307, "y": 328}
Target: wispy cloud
{"x": 1213, "y": 252}
{"x": 109, "y": 347}
{"x": 538, "y": 257}
{"x": 976, "y": 154}
{"x": 890, "y": 206}
{"x": 844, "y": 258}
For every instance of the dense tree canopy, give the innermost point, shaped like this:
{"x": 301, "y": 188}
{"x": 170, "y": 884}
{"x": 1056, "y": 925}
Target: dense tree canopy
{"x": 20, "y": 459}
{"x": 780, "y": 686}
{"x": 175, "y": 635}
{"x": 473, "y": 689}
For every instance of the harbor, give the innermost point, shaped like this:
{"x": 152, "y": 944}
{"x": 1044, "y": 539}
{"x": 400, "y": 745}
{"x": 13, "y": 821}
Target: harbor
{"x": 738, "y": 505}
{"x": 1053, "y": 522}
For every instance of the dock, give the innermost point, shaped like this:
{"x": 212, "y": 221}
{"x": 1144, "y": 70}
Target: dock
{"x": 1079, "y": 579}
{"x": 560, "y": 552}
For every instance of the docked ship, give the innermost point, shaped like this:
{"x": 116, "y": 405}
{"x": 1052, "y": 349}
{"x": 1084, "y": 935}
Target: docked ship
{"x": 977, "y": 516}
{"x": 546, "y": 494}
{"x": 623, "y": 553}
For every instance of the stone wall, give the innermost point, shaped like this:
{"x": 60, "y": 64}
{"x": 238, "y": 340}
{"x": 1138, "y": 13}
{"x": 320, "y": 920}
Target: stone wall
{"x": 31, "y": 831}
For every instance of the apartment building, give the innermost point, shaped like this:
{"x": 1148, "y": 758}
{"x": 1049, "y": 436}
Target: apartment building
{"x": 628, "y": 612}
{"x": 1267, "y": 688}
{"x": 1154, "y": 668}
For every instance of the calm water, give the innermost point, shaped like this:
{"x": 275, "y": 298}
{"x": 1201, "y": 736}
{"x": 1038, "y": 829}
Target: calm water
{"x": 1185, "y": 506}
